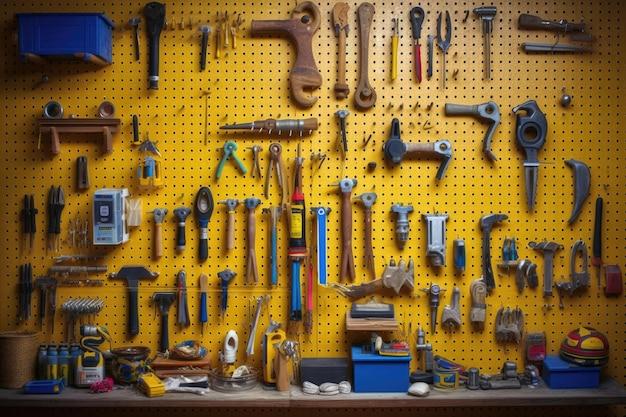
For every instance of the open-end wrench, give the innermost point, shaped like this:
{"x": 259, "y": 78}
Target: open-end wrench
{"x": 340, "y": 24}
{"x": 368, "y": 200}
{"x": 347, "y": 259}
{"x": 416, "y": 16}
{"x": 548, "y": 249}
{"x": 365, "y": 96}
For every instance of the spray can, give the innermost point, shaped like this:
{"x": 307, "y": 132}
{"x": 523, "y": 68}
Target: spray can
{"x": 42, "y": 362}
{"x": 64, "y": 364}
{"x": 53, "y": 363}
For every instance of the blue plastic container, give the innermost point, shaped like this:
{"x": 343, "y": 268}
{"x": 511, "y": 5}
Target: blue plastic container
{"x": 65, "y": 35}
{"x": 376, "y": 373}
{"x": 561, "y": 374}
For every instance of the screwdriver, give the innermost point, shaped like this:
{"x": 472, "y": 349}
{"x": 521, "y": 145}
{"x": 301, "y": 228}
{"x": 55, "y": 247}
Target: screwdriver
{"x": 417, "y": 18}
{"x": 204, "y": 284}
{"x": 596, "y": 259}
{"x": 297, "y": 241}
{"x": 394, "y": 48}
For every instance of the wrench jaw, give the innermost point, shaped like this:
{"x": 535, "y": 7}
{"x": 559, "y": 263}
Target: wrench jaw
{"x": 303, "y": 79}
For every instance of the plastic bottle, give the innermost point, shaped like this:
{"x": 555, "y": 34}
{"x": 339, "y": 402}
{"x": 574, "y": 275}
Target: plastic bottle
{"x": 64, "y": 364}
{"x": 53, "y": 363}
{"x": 42, "y": 362}
{"x": 75, "y": 352}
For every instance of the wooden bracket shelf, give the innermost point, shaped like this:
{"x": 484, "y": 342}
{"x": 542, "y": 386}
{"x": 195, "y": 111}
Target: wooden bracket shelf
{"x": 610, "y": 392}
{"x": 102, "y": 126}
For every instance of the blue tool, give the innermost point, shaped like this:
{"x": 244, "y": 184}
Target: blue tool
{"x": 44, "y": 386}
{"x": 230, "y": 149}
{"x": 459, "y": 255}
{"x": 321, "y": 239}
{"x": 275, "y": 213}
{"x": 225, "y": 276}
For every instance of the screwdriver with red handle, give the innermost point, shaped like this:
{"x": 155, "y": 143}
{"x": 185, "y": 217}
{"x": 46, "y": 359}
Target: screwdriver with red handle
{"x": 416, "y": 16}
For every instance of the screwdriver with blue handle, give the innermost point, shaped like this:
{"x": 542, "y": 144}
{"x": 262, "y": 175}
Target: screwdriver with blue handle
{"x": 204, "y": 317}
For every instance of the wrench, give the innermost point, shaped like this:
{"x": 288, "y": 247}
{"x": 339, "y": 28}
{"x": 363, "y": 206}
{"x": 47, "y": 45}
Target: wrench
{"x": 365, "y": 96}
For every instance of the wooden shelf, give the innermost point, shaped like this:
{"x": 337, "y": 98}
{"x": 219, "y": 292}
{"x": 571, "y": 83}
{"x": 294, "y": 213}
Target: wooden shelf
{"x": 609, "y": 393}
{"x": 103, "y": 126}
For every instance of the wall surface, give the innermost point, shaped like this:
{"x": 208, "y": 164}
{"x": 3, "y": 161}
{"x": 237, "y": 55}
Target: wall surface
{"x": 251, "y": 83}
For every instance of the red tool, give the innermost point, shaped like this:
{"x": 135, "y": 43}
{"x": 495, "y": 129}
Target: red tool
{"x": 416, "y": 16}
{"x": 297, "y": 239}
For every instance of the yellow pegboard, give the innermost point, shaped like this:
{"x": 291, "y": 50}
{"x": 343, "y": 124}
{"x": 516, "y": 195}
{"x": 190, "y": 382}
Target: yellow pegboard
{"x": 250, "y": 83}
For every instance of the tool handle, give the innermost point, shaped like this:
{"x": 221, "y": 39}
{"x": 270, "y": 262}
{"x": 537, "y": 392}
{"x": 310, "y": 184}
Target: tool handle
{"x": 133, "y": 314}
{"x": 461, "y": 110}
{"x": 203, "y": 245}
{"x": 135, "y": 129}
{"x": 394, "y": 57}
{"x": 205, "y": 43}
{"x": 295, "y": 310}
{"x": 251, "y": 269}
{"x": 425, "y": 149}
{"x": 487, "y": 268}
{"x": 165, "y": 338}
{"x": 153, "y": 76}
{"x": 417, "y": 50}
{"x": 220, "y": 166}
{"x": 548, "y": 268}
{"x": 369, "y": 252}
{"x": 274, "y": 255}
{"x": 341, "y": 58}
{"x": 181, "y": 240}
{"x": 347, "y": 262}
{"x": 310, "y": 123}
{"x": 203, "y": 311}
{"x": 240, "y": 164}
{"x": 158, "y": 240}
{"x": 596, "y": 260}
{"x": 230, "y": 230}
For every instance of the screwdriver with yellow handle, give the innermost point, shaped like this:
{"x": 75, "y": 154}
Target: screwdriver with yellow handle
{"x": 394, "y": 49}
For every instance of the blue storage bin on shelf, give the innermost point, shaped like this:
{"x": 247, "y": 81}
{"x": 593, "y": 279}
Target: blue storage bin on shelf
{"x": 84, "y": 36}
{"x": 561, "y": 374}
{"x": 376, "y": 373}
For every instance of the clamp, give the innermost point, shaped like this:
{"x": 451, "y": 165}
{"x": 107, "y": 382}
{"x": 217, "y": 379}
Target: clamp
{"x": 230, "y": 149}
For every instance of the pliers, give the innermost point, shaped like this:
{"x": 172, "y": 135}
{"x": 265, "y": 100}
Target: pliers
{"x": 230, "y": 149}
{"x": 444, "y": 43}
{"x": 276, "y": 162}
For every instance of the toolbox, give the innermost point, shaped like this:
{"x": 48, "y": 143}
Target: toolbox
{"x": 320, "y": 370}
{"x": 85, "y": 36}
{"x": 376, "y": 373}
{"x": 561, "y": 374}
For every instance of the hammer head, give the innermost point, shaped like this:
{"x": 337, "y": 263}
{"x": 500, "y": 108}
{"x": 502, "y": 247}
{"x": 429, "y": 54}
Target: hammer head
{"x": 251, "y": 203}
{"x": 545, "y": 246}
{"x": 181, "y": 213}
{"x": 485, "y": 12}
{"x": 226, "y": 276}
{"x": 164, "y": 300}
{"x": 347, "y": 184}
{"x": 394, "y": 149}
{"x": 132, "y": 275}
{"x": 443, "y": 149}
{"x": 488, "y": 220}
{"x": 368, "y": 199}
{"x": 159, "y": 214}
{"x": 230, "y": 203}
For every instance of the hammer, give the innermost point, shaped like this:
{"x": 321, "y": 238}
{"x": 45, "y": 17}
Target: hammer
{"x": 132, "y": 275}
{"x": 159, "y": 215}
{"x": 548, "y": 249}
{"x": 164, "y": 300}
{"x": 231, "y": 205}
{"x": 181, "y": 214}
{"x": 395, "y": 149}
{"x": 486, "y": 224}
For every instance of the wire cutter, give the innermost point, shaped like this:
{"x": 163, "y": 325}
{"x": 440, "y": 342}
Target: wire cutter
{"x": 230, "y": 150}
{"x": 276, "y": 162}
{"x": 442, "y": 43}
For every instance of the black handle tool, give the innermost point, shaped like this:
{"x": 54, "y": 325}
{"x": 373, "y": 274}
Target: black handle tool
{"x": 596, "y": 260}
{"x": 204, "y": 210}
{"x": 154, "y": 13}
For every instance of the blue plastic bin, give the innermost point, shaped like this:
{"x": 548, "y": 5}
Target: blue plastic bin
{"x": 561, "y": 374}
{"x": 376, "y": 373}
{"x": 65, "y": 35}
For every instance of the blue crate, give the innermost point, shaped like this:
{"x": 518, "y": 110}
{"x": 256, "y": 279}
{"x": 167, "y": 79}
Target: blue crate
{"x": 561, "y": 374}
{"x": 85, "y": 36}
{"x": 376, "y": 373}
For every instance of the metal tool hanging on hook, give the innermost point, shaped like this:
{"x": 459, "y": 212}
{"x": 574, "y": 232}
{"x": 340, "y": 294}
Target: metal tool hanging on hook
{"x": 531, "y": 131}
{"x": 444, "y": 43}
{"x": 291, "y": 126}
{"x": 300, "y": 29}
{"x": 321, "y": 241}
{"x": 486, "y": 113}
